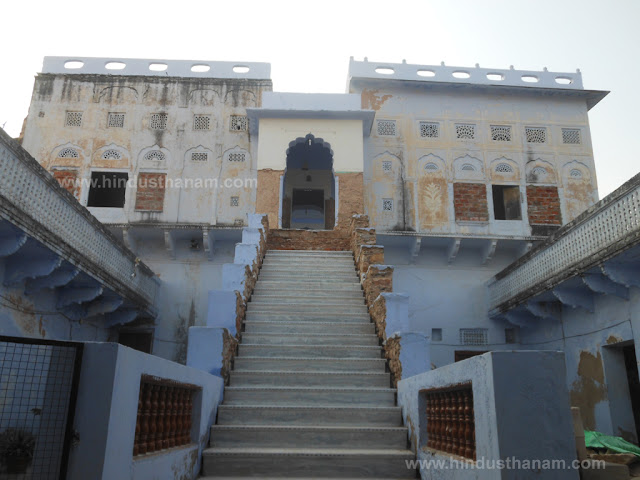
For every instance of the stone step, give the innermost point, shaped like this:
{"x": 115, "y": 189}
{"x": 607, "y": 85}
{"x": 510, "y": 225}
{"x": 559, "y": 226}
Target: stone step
{"x": 310, "y": 253}
{"x": 295, "y": 290}
{"x": 318, "y": 286}
{"x": 309, "y": 267}
{"x": 291, "y": 436}
{"x": 308, "y": 463}
{"x": 309, "y": 364}
{"x": 309, "y": 264}
{"x": 309, "y": 317}
{"x": 310, "y": 351}
{"x": 259, "y": 298}
{"x": 308, "y": 327}
{"x": 308, "y": 415}
{"x": 310, "y": 396}
{"x": 308, "y": 379}
{"x": 262, "y": 477}
{"x": 311, "y": 277}
{"x": 312, "y": 339}
{"x": 293, "y": 308}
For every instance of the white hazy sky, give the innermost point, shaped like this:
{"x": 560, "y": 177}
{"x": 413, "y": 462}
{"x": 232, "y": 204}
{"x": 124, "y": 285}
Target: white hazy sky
{"x": 309, "y": 44}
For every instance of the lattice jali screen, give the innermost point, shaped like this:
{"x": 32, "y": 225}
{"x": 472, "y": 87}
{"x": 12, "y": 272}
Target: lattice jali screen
{"x": 536, "y": 134}
{"x": 386, "y": 166}
{"x": 571, "y": 136}
{"x": 500, "y": 133}
{"x": 239, "y": 123}
{"x": 73, "y": 119}
{"x": 474, "y": 336}
{"x": 429, "y": 129}
{"x": 68, "y": 153}
{"x": 237, "y": 157}
{"x": 614, "y": 223}
{"x": 199, "y": 156}
{"x": 111, "y": 155}
{"x": 165, "y": 415}
{"x": 115, "y": 120}
{"x": 201, "y": 122}
{"x": 387, "y": 204}
{"x": 386, "y": 128}
{"x": 158, "y": 121}
{"x": 465, "y": 131}
{"x": 451, "y": 420}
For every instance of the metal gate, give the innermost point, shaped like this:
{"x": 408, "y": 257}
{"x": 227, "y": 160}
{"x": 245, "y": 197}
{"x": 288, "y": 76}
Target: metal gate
{"x": 38, "y": 389}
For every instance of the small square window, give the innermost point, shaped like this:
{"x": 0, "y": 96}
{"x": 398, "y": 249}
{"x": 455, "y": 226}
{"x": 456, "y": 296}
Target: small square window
{"x": 236, "y": 157}
{"x": 387, "y": 128}
{"x": 73, "y": 119}
{"x": 500, "y": 133}
{"x": 536, "y": 134}
{"x": 474, "y": 336}
{"x": 465, "y": 132}
{"x": 571, "y": 136}
{"x": 201, "y": 122}
{"x": 115, "y": 120}
{"x": 158, "y": 121}
{"x": 506, "y": 202}
{"x": 436, "y": 334}
{"x": 235, "y": 201}
{"x": 429, "y": 129}
{"x": 239, "y": 123}
{"x": 386, "y": 166}
{"x": 510, "y": 336}
{"x": 387, "y": 205}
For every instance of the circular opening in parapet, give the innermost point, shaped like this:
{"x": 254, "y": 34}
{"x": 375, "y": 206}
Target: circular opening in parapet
{"x": 158, "y": 67}
{"x": 529, "y": 78}
{"x": 240, "y": 69}
{"x": 496, "y": 77}
{"x": 115, "y": 65}
{"x": 199, "y": 68}
{"x": 385, "y": 71}
{"x": 73, "y": 64}
{"x": 461, "y": 74}
{"x": 426, "y": 73}
{"x": 564, "y": 80}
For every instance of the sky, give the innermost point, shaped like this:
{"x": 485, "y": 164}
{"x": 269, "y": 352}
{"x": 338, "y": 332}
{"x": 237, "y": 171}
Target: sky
{"x": 309, "y": 44}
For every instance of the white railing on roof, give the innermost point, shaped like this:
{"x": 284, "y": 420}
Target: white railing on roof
{"x": 34, "y": 201}
{"x": 470, "y": 75}
{"x": 607, "y": 228}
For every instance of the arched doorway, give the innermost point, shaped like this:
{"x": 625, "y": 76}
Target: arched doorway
{"x": 308, "y": 193}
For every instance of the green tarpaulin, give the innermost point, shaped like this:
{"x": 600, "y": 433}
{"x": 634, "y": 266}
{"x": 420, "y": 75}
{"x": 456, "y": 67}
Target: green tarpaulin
{"x": 615, "y": 444}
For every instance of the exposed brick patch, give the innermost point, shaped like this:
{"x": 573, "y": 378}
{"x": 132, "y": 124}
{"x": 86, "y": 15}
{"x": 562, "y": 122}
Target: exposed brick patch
{"x": 229, "y": 349}
{"x": 379, "y": 278}
{"x": 543, "y": 205}
{"x": 378, "y": 312}
{"x": 68, "y": 179}
{"x": 369, "y": 255}
{"x": 150, "y": 192}
{"x": 392, "y": 353}
{"x": 470, "y": 202}
{"x": 334, "y": 240}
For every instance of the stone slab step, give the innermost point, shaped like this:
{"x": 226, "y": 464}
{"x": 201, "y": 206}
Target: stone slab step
{"x": 309, "y": 317}
{"x": 328, "y": 287}
{"x": 326, "y": 253}
{"x": 290, "y": 478}
{"x": 308, "y": 415}
{"x": 313, "y": 339}
{"x": 291, "y": 436}
{"x": 293, "y": 308}
{"x": 258, "y": 298}
{"x": 308, "y": 327}
{"x": 383, "y": 397}
{"x": 297, "y": 291}
{"x": 284, "y": 378}
{"x": 308, "y": 463}
{"x": 347, "y": 263}
{"x": 311, "y": 351}
{"x": 331, "y": 267}
{"x": 309, "y": 364}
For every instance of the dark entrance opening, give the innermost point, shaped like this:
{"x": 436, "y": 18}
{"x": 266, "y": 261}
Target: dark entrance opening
{"x": 308, "y": 197}
{"x": 107, "y": 189}
{"x": 506, "y": 202}
{"x": 631, "y": 366}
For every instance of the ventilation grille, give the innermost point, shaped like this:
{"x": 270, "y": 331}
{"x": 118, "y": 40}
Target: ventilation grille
{"x": 68, "y": 153}
{"x": 73, "y": 119}
{"x": 158, "y": 121}
{"x": 386, "y": 166}
{"x": 387, "y": 128}
{"x": 429, "y": 130}
{"x": 571, "y": 136}
{"x": 465, "y": 132}
{"x": 235, "y": 201}
{"x": 536, "y": 134}
{"x": 115, "y": 120}
{"x": 500, "y": 133}
{"x": 387, "y": 205}
{"x": 504, "y": 168}
{"x": 156, "y": 155}
{"x": 201, "y": 122}
{"x": 111, "y": 155}
{"x": 239, "y": 123}
{"x": 236, "y": 157}
{"x": 474, "y": 336}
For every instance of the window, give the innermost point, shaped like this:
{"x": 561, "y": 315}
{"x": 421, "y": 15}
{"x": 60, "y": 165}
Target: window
{"x": 68, "y": 153}
{"x": 429, "y": 129}
{"x": 500, "y": 133}
{"x": 201, "y": 122}
{"x": 386, "y": 166}
{"x": 504, "y": 168}
{"x": 575, "y": 173}
{"x": 474, "y": 336}
{"x": 199, "y": 156}
{"x": 158, "y": 121}
{"x": 465, "y": 132}
{"x": 138, "y": 340}
{"x": 73, "y": 119}
{"x": 236, "y": 157}
{"x": 239, "y": 123}
{"x": 510, "y": 335}
{"x": 386, "y": 128}
{"x": 235, "y": 201}
{"x": 506, "y": 202}
{"x": 115, "y": 120}
{"x": 387, "y": 204}
{"x": 155, "y": 155}
{"x": 431, "y": 167}
{"x": 536, "y": 134}
{"x": 107, "y": 189}
{"x": 571, "y": 136}
{"x": 111, "y": 155}
{"x": 436, "y": 334}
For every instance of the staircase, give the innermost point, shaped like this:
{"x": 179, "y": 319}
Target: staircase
{"x": 309, "y": 396}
